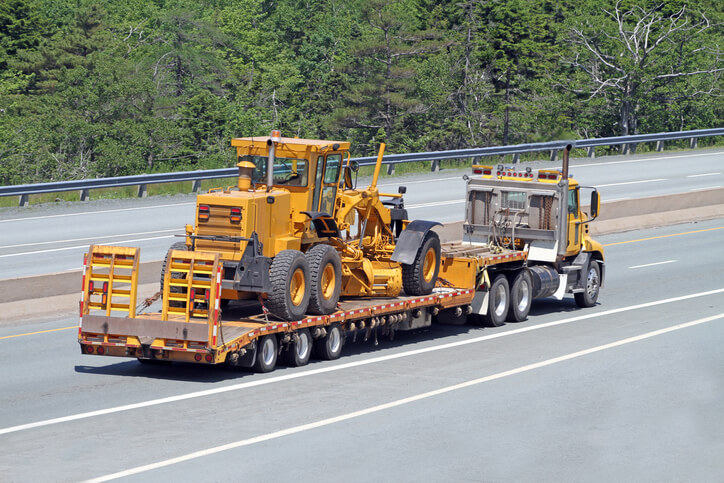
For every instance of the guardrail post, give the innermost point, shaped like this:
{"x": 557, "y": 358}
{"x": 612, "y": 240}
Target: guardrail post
{"x": 84, "y": 194}
{"x": 554, "y": 155}
{"x": 659, "y": 146}
{"x": 195, "y": 185}
{"x": 142, "y": 191}
{"x": 516, "y": 158}
{"x": 591, "y": 152}
{"x": 391, "y": 168}
{"x": 629, "y": 148}
{"x": 435, "y": 166}
{"x": 693, "y": 142}
{"x": 23, "y": 200}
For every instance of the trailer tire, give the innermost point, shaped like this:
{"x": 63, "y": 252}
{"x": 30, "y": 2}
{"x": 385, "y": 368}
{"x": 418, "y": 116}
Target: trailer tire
{"x": 289, "y": 275}
{"x": 589, "y": 296}
{"x": 498, "y": 302}
{"x": 329, "y": 347}
{"x": 419, "y": 278}
{"x": 299, "y": 349}
{"x": 175, "y": 246}
{"x": 521, "y": 297}
{"x": 325, "y": 270}
{"x": 266, "y": 354}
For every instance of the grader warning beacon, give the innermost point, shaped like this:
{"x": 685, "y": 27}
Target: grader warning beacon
{"x": 296, "y": 234}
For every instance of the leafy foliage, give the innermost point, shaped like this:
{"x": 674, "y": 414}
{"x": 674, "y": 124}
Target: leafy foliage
{"x": 93, "y": 88}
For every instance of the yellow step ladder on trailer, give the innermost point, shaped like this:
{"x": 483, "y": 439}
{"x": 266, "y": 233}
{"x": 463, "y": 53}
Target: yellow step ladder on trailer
{"x": 110, "y": 280}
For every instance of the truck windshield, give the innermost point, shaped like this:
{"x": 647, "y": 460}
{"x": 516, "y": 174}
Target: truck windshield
{"x": 287, "y": 171}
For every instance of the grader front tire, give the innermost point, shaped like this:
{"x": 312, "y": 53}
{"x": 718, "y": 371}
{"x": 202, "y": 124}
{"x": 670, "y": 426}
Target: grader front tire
{"x": 325, "y": 267}
{"x": 289, "y": 274}
{"x": 419, "y": 278}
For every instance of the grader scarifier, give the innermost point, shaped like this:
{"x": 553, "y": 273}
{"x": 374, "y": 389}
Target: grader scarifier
{"x": 296, "y": 233}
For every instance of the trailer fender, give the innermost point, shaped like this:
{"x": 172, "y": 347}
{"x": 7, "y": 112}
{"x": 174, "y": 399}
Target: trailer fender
{"x": 411, "y": 240}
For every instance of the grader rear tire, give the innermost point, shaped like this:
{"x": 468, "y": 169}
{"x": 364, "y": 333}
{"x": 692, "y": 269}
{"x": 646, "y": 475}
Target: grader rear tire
{"x": 419, "y": 278}
{"x": 289, "y": 274}
{"x": 175, "y": 246}
{"x": 325, "y": 269}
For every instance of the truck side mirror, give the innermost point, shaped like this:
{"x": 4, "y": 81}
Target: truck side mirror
{"x": 595, "y": 204}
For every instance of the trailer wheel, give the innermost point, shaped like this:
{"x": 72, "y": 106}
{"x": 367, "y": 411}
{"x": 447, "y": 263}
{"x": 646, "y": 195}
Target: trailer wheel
{"x": 325, "y": 268}
{"x": 589, "y": 296}
{"x": 521, "y": 296}
{"x": 329, "y": 347}
{"x": 266, "y": 354}
{"x": 419, "y": 277}
{"x": 299, "y": 349}
{"x": 289, "y": 274}
{"x": 498, "y": 302}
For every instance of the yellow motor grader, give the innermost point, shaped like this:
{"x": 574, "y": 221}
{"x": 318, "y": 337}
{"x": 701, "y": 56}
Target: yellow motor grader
{"x": 297, "y": 234}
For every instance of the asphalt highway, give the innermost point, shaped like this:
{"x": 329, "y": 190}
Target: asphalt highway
{"x": 51, "y": 239}
{"x": 628, "y": 390}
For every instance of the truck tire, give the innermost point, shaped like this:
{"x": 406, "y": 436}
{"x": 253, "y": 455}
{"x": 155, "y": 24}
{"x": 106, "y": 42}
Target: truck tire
{"x": 498, "y": 302}
{"x": 451, "y": 316}
{"x": 289, "y": 275}
{"x": 589, "y": 296}
{"x": 329, "y": 347}
{"x": 419, "y": 278}
{"x": 175, "y": 246}
{"x": 325, "y": 273}
{"x": 266, "y": 354}
{"x": 299, "y": 349}
{"x": 521, "y": 296}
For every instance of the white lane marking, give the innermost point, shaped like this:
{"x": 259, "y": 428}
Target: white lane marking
{"x": 90, "y": 238}
{"x": 399, "y": 402}
{"x": 653, "y": 264}
{"x": 84, "y": 246}
{"x": 631, "y": 182}
{"x": 698, "y": 175}
{"x": 347, "y": 365}
{"x": 706, "y": 188}
{"x": 435, "y": 203}
{"x": 432, "y": 180}
{"x": 618, "y": 199}
{"x": 604, "y": 163}
{"x": 95, "y": 212}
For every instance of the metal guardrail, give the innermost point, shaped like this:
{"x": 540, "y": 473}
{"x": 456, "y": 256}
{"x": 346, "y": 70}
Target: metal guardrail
{"x": 628, "y": 144}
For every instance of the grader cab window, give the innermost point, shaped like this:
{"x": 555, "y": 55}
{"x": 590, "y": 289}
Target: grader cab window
{"x": 287, "y": 171}
{"x": 327, "y": 180}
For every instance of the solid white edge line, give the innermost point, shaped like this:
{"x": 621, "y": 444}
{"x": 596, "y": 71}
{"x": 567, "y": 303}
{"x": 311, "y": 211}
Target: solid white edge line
{"x": 630, "y": 182}
{"x": 703, "y": 174}
{"x": 346, "y": 365}
{"x": 397, "y": 403}
{"x": 654, "y": 264}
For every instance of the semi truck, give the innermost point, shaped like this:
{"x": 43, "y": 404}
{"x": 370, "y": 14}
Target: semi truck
{"x": 525, "y": 236}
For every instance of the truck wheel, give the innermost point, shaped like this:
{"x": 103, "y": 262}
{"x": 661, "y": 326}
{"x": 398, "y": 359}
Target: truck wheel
{"x": 498, "y": 301}
{"x": 419, "y": 278}
{"x": 325, "y": 269}
{"x": 588, "y": 297}
{"x": 451, "y": 316}
{"x": 289, "y": 274}
{"x": 299, "y": 349}
{"x": 266, "y": 354}
{"x": 329, "y": 347}
{"x": 175, "y": 246}
{"x": 521, "y": 296}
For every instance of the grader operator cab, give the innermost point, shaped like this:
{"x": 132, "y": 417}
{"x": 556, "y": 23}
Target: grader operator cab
{"x": 297, "y": 235}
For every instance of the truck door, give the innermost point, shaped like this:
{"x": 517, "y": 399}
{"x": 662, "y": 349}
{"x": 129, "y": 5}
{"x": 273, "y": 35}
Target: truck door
{"x": 574, "y": 225}
{"x": 326, "y": 183}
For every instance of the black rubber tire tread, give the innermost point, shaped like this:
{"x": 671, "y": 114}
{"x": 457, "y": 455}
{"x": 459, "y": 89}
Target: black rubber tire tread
{"x": 520, "y": 279}
{"x": 175, "y": 246}
{"x": 318, "y": 257}
{"x": 291, "y": 357}
{"x": 448, "y": 317}
{"x": 583, "y": 299}
{"x": 279, "y": 301}
{"x": 323, "y": 346}
{"x": 412, "y": 276}
{"x": 491, "y": 319}
{"x": 259, "y": 364}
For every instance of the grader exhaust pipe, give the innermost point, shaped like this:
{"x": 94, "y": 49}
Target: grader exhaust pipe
{"x": 274, "y": 138}
{"x": 566, "y": 153}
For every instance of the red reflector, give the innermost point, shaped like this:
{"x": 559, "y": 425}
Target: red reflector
{"x": 193, "y": 294}
{"x": 105, "y": 287}
{"x": 498, "y": 173}
{"x": 209, "y": 358}
{"x": 477, "y": 171}
{"x": 235, "y": 215}
{"x": 90, "y": 286}
{"x": 487, "y": 172}
{"x": 89, "y": 349}
{"x": 101, "y": 351}
{"x": 197, "y": 357}
{"x": 204, "y": 212}
{"x": 552, "y": 176}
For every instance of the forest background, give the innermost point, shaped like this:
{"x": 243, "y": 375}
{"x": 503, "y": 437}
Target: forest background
{"x": 98, "y": 88}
